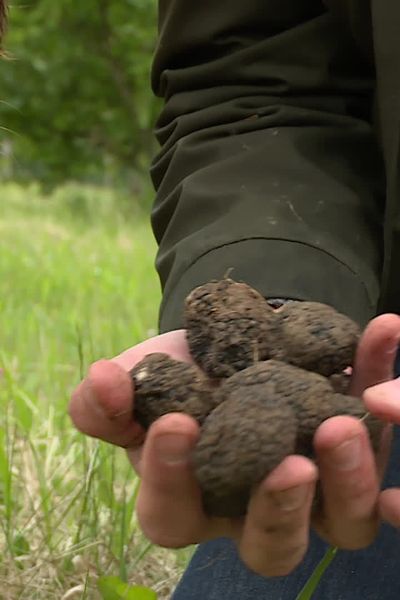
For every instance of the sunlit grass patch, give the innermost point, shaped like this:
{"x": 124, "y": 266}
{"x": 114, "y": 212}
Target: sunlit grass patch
{"x": 75, "y": 285}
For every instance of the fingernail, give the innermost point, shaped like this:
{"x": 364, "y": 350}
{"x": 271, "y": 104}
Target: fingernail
{"x": 346, "y": 456}
{"x": 173, "y": 448}
{"x": 292, "y": 498}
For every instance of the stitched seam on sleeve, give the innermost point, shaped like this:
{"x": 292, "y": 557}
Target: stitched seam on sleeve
{"x": 280, "y": 239}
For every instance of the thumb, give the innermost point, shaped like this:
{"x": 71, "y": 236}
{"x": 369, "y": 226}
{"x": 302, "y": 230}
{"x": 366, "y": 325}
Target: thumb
{"x": 376, "y": 353}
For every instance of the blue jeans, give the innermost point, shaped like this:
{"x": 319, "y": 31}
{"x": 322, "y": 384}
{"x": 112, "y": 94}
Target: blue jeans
{"x": 216, "y": 572}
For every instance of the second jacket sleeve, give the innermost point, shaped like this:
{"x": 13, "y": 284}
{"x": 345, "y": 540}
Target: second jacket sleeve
{"x": 268, "y": 165}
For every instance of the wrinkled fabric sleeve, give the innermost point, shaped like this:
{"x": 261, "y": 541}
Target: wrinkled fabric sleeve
{"x": 268, "y": 164}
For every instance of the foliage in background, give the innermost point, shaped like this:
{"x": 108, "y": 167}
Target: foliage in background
{"x": 76, "y": 101}
{"x": 3, "y": 18}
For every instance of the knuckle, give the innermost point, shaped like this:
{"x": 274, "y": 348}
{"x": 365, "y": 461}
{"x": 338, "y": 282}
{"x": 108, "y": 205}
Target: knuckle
{"x": 357, "y": 490}
{"x": 160, "y": 537}
{"x": 357, "y": 539}
{"x": 274, "y": 549}
{"x": 351, "y": 533}
{"x": 271, "y": 565}
{"x": 76, "y": 414}
{"x": 287, "y": 526}
{"x": 278, "y": 529}
{"x": 293, "y": 552}
{"x": 164, "y": 531}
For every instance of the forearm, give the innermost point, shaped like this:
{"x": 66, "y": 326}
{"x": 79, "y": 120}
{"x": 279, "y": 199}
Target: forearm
{"x": 268, "y": 164}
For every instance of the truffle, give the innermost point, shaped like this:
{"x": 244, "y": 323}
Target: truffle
{"x": 163, "y": 385}
{"x": 263, "y": 382}
{"x": 310, "y": 395}
{"x": 341, "y": 382}
{"x": 240, "y": 444}
{"x": 229, "y": 326}
{"x": 316, "y": 337}
{"x": 306, "y": 393}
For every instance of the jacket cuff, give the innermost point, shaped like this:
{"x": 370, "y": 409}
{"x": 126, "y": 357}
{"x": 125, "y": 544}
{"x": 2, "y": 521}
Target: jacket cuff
{"x": 277, "y": 269}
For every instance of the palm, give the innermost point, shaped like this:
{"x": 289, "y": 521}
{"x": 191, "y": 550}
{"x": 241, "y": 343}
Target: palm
{"x": 169, "y": 505}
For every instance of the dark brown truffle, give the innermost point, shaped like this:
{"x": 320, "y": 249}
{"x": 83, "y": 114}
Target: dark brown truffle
{"x": 241, "y": 442}
{"x": 265, "y": 380}
{"x": 310, "y": 395}
{"x": 163, "y": 385}
{"x": 229, "y": 327}
{"x": 307, "y": 393}
{"x": 341, "y": 382}
{"x": 316, "y": 337}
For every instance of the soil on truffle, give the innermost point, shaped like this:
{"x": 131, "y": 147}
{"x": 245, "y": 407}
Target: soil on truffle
{"x": 240, "y": 444}
{"x": 163, "y": 385}
{"x": 263, "y": 382}
{"x": 316, "y": 337}
{"x": 229, "y": 327}
{"x": 310, "y": 395}
{"x": 341, "y": 382}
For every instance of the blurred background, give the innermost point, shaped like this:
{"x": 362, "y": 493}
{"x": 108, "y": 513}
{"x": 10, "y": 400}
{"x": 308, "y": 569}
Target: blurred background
{"x": 76, "y": 101}
{"x": 77, "y": 283}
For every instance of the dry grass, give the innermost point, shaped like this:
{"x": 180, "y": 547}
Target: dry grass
{"x": 77, "y": 283}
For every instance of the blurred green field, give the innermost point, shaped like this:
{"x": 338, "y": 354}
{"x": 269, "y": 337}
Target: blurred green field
{"x": 77, "y": 283}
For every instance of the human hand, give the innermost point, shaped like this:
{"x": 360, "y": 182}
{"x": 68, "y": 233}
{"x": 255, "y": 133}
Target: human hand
{"x": 350, "y": 516}
{"x": 273, "y": 536}
{"x": 383, "y": 401}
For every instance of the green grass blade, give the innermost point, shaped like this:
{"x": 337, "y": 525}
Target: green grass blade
{"x": 77, "y": 283}
{"x": 308, "y": 590}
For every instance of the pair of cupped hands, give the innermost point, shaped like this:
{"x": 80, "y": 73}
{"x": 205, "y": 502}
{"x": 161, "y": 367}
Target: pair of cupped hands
{"x": 273, "y": 537}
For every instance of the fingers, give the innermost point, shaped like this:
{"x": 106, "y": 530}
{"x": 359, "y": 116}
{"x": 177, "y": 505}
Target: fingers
{"x": 383, "y": 401}
{"x": 349, "y": 482}
{"x": 169, "y": 504}
{"x": 276, "y": 530}
{"x": 376, "y": 353}
{"x": 389, "y": 506}
{"x": 102, "y": 405}
{"x": 173, "y": 343}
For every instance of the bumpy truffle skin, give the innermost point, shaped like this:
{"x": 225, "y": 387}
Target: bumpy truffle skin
{"x": 316, "y": 337}
{"x": 240, "y": 444}
{"x": 229, "y": 327}
{"x": 163, "y": 385}
{"x": 341, "y": 382}
{"x": 305, "y": 392}
{"x": 310, "y": 395}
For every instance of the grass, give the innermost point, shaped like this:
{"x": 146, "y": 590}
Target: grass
{"x": 77, "y": 283}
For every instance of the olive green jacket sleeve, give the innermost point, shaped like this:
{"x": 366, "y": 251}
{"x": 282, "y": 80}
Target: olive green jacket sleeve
{"x": 385, "y": 16}
{"x": 375, "y": 25}
{"x": 268, "y": 163}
